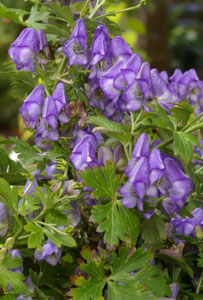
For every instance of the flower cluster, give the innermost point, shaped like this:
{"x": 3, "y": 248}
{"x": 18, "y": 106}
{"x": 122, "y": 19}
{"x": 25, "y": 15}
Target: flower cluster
{"x": 49, "y": 112}
{"x": 188, "y": 226}
{"x": 154, "y": 176}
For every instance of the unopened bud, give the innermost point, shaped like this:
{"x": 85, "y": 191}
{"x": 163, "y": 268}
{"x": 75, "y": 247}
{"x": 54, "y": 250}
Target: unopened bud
{"x": 198, "y": 232}
{"x": 10, "y": 242}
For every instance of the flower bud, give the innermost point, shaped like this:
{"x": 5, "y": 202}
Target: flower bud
{"x": 120, "y": 158}
{"x": 104, "y": 154}
{"x": 198, "y": 232}
{"x": 10, "y": 242}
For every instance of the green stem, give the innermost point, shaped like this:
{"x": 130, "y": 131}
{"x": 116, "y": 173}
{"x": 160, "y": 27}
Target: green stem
{"x": 192, "y": 122}
{"x": 112, "y": 13}
{"x": 84, "y": 8}
{"x": 20, "y": 225}
{"x": 96, "y": 8}
{"x": 194, "y": 128}
{"x": 198, "y": 289}
{"x": 164, "y": 144}
{"x": 60, "y": 71}
{"x": 126, "y": 152}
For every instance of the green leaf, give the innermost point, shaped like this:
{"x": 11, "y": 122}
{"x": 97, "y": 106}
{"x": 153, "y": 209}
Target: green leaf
{"x": 117, "y": 222}
{"x": 102, "y": 121}
{"x": 183, "y": 146}
{"x": 90, "y": 289}
{"x": 60, "y": 239}
{"x": 8, "y": 297}
{"x": 37, "y": 18}
{"x": 153, "y": 230}
{"x": 124, "y": 264}
{"x": 182, "y": 111}
{"x": 10, "y": 195}
{"x": 63, "y": 13}
{"x": 200, "y": 260}
{"x": 12, "y": 278}
{"x": 27, "y": 153}
{"x": 103, "y": 180}
{"x": 15, "y": 15}
{"x": 37, "y": 236}
{"x": 131, "y": 291}
{"x": 57, "y": 218}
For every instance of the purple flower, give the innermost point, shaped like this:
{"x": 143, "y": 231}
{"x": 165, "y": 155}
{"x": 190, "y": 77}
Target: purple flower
{"x": 3, "y": 219}
{"x": 100, "y": 52}
{"x": 154, "y": 175}
{"x": 119, "y": 49}
{"x": 200, "y": 152}
{"x": 188, "y": 225}
{"x": 162, "y": 91}
{"x": 73, "y": 215}
{"x": 28, "y": 46}
{"x": 32, "y": 107}
{"x": 60, "y": 99}
{"x": 76, "y": 48}
{"x": 50, "y": 253}
{"x": 83, "y": 154}
{"x": 47, "y": 128}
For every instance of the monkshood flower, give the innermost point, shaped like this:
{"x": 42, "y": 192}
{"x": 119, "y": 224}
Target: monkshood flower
{"x": 100, "y": 52}
{"x": 154, "y": 175}
{"x": 181, "y": 82}
{"x": 76, "y": 48}
{"x": 60, "y": 99}
{"x": 47, "y": 128}
{"x": 188, "y": 225}
{"x": 31, "y": 109}
{"x": 3, "y": 219}
{"x": 162, "y": 91}
{"x": 50, "y": 253}
{"x": 119, "y": 49}
{"x": 28, "y": 46}
{"x": 83, "y": 154}
{"x": 196, "y": 96}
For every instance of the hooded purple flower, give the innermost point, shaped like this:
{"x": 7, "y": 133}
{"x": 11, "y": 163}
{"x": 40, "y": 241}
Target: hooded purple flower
{"x": 60, "y": 99}
{"x": 31, "y": 109}
{"x": 154, "y": 175}
{"x": 119, "y": 49}
{"x": 3, "y": 219}
{"x": 50, "y": 253}
{"x": 47, "y": 128}
{"x": 76, "y": 48}
{"x": 83, "y": 154}
{"x": 162, "y": 91}
{"x": 28, "y": 46}
{"x": 188, "y": 225}
{"x": 100, "y": 52}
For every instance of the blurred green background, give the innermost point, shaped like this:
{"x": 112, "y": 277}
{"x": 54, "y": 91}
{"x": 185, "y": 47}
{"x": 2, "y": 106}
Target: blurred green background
{"x": 167, "y": 33}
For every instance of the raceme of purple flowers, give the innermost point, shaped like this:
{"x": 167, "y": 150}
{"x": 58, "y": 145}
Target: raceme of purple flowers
{"x": 153, "y": 175}
{"x": 119, "y": 81}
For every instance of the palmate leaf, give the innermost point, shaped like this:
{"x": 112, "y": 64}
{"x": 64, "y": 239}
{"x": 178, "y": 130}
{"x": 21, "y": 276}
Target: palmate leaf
{"x": 37, "y": 18}
{"x": 12, "y": 278}
{"x": 117, "y": 222}
{"x": 10, "y": 195}
{"x": 103, "y": 180}
{"x": 183, "y": 145}
{"x": 131, "y": 277}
